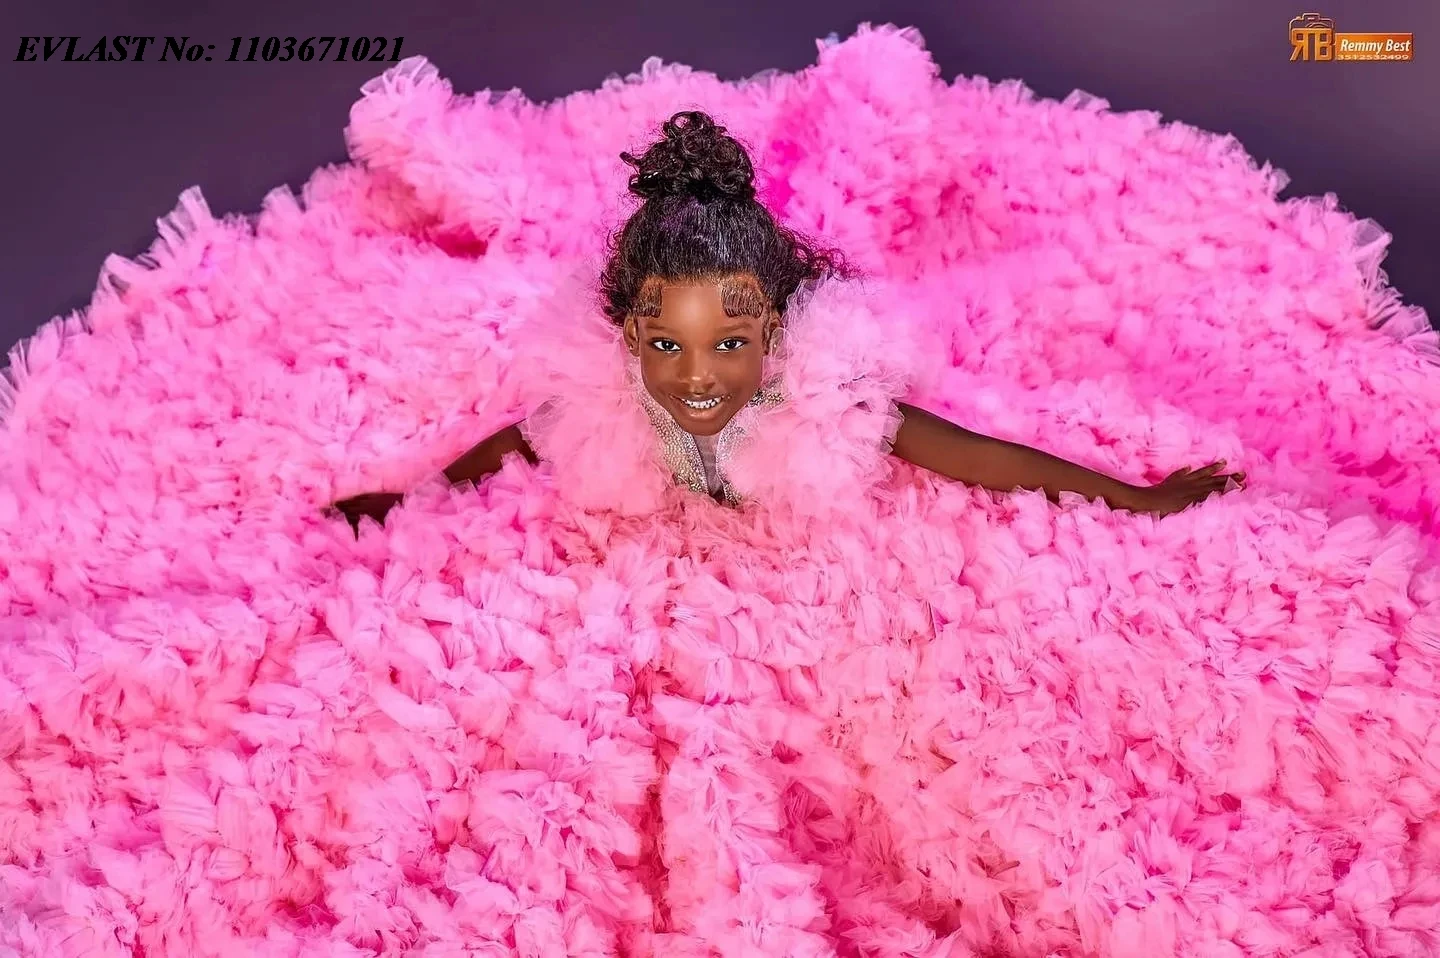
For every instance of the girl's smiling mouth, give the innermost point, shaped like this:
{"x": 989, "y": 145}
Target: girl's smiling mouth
{"x": 701, "y": 405}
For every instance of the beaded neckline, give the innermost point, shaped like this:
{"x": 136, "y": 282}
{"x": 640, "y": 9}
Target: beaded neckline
{"x": 683, "y": 454}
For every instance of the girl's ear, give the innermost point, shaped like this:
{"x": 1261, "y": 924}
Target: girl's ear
{"x": 632, "y": 336}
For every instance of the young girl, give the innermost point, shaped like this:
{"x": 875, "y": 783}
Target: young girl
{"x": 702, "y": 287}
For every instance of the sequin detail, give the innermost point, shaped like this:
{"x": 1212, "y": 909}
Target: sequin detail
{"x": 683, "y": 456}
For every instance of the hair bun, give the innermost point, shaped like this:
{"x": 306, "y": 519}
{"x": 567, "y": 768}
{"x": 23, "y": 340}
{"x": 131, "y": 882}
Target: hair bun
{"x": 696, "y": 158}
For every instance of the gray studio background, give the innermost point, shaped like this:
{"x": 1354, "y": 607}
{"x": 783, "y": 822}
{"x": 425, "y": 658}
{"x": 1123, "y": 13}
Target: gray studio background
{"x": 94, "y": 152}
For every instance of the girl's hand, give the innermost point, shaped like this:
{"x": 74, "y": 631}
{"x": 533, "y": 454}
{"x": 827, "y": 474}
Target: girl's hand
{"x": 1182, "y": 489}
{"x": 375, "y": 505}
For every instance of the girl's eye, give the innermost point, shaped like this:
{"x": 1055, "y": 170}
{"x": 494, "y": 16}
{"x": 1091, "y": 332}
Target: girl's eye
{"x": 731, "y": 344}
{"x": 665, "y": 345}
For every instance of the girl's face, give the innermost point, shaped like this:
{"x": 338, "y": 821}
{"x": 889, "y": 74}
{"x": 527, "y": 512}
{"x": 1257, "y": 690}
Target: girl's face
{"x": 701, "y": 347}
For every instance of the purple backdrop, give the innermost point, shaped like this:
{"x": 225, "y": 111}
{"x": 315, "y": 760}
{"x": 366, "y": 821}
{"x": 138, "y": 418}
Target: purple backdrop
{"x": 97, "y": 151}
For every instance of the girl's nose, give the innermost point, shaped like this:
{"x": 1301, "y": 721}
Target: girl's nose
{"x": 696, "y": 371}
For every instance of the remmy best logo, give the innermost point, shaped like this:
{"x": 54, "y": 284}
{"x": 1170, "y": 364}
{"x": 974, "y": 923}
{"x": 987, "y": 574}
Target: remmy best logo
{"x": 1313, "y": 37}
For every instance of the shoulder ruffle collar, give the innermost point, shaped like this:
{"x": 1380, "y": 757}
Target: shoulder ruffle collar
{"x": 817, "y": 439}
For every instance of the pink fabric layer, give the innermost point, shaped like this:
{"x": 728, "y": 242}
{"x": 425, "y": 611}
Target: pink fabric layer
{"x": 932, "y": 722}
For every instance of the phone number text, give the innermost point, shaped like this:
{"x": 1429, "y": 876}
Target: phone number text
{"x": 239, "y": 50}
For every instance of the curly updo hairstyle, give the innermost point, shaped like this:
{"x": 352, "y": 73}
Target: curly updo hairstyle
{"x": 700, "y": 220}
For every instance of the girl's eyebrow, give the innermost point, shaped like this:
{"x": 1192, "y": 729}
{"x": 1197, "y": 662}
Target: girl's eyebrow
{"x": 746, "y": 324}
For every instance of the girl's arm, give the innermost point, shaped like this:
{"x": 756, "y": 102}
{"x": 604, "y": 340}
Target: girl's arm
{"x": 483, "y": 459}
{"x": 933, "y": 443}
{"x": 486, "y": 458}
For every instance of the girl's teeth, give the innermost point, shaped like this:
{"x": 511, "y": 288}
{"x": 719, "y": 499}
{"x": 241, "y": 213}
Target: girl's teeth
{"x": 707, "y": 404}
